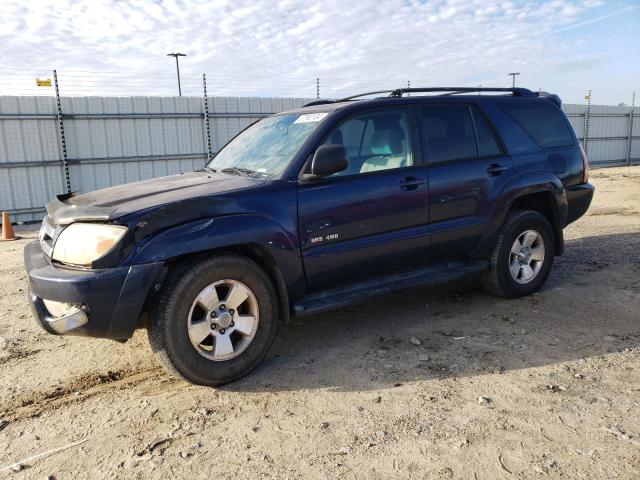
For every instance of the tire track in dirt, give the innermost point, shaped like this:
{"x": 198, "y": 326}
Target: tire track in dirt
{"x": 76, "y": 390}
{"x": 16, "y": 354}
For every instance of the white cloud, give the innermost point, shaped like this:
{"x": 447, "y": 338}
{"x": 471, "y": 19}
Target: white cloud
{"x": 281, "y": 47}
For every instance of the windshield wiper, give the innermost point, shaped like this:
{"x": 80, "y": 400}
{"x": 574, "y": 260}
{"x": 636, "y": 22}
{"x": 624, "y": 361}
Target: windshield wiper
{"x": 239, "y": 171}
{"x": 207, "y": 169}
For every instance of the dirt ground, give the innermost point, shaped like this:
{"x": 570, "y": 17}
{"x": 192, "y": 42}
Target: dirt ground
{"x": 546, "y": 386}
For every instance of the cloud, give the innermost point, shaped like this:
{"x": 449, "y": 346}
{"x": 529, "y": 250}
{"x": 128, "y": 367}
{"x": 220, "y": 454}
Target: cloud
{"x": 279, "y": 48}
{"x": 597, "y": 19}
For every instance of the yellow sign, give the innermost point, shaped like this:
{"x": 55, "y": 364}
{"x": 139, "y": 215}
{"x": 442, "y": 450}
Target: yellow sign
{"x": 43, "y": 82}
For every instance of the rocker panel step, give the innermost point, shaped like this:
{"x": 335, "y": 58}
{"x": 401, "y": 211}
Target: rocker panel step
{"x": 341, "y": 296}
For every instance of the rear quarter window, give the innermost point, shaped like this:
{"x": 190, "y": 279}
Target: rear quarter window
{"x": 544, "y": 123}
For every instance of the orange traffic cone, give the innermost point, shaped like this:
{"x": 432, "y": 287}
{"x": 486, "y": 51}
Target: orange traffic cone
{"x": 7, "y": 229}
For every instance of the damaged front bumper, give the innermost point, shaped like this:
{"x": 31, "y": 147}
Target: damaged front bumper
{"x": 59, "y": 317}
{"x": 104, "y": 303}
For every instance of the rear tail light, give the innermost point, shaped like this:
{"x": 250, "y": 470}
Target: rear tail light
{"x": 585, "y": 165}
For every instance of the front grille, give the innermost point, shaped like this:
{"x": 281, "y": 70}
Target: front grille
{"x": 47, "y": 235}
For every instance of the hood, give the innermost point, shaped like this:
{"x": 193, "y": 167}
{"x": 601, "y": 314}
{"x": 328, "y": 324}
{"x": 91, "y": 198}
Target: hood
{"x": 114, "y": 202}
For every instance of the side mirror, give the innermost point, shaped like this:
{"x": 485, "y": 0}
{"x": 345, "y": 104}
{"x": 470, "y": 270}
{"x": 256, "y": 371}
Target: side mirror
{"x": 329, "y": 159}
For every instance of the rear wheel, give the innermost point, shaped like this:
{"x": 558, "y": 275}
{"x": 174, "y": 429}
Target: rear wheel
{"x": 522, "y": 257}
{"x": 215, "y": 321}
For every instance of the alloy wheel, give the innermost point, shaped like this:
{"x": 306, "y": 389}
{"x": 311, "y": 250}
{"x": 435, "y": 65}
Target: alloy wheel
{"x": 223, "y": 320}
{"x": 526, "y": 256}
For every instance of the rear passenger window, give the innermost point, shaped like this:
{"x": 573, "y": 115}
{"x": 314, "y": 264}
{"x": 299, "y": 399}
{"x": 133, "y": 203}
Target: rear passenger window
{"x": 543, "y": 122}
{"x": 448, "y": 133}
{"x": 487, "y": 143}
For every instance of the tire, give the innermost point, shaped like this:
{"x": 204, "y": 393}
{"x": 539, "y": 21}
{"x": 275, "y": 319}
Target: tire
{"x": 185, "y": 310}
{"x": 500, "y": 279}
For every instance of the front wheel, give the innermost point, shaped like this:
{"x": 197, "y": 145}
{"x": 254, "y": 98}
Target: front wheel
{"x": 522, "y": 257}
{"x": 215, "y": 320}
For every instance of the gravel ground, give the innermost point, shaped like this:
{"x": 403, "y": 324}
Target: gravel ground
{"x": 444, "y": 382}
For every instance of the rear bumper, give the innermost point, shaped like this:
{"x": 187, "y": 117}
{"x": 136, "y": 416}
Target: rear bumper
{"x": 578, "y": 200}
{"x": 105, "y": 303}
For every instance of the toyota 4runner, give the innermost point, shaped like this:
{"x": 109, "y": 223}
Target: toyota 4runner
{"x": 313, "y": 209}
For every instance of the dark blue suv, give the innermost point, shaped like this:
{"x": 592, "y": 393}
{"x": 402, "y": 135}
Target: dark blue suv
{"x": 313, "y": 209}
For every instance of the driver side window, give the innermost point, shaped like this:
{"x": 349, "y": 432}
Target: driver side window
{"x": 374, "y": 141}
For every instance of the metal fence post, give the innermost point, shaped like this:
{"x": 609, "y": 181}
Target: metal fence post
{"x": 206, "y": 118}
{"x": 63, "y": 143}
{"x": 587, "y": 118}
{"x": 630, "y": 138}
{"x": 318, "y": 88}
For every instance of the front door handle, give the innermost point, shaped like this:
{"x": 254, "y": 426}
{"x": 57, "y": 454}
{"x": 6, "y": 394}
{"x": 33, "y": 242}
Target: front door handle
{"x": 411, "y": 183}
{"x": 496, "y": 169}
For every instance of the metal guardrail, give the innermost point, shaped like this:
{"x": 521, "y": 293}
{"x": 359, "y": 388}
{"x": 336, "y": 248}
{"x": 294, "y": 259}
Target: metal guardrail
{"x": 97, "y": 160}
{"x": 128, "y": 116}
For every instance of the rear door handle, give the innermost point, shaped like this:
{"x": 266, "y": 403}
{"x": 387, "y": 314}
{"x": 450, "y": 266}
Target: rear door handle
{"x": 411, "y": 183}
{"x": 496, "y": 169}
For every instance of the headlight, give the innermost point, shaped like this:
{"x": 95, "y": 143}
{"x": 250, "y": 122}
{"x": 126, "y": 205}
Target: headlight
{"x": 83, "y": 243}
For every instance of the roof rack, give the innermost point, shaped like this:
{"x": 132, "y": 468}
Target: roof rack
{"x": 399, "y": 92}
{"x": 517, "y": 92}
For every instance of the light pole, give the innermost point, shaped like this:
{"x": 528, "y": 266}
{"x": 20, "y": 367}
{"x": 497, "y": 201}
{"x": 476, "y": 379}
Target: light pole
{"x": 176, "y": 55}
{"x": 513, "y": 75}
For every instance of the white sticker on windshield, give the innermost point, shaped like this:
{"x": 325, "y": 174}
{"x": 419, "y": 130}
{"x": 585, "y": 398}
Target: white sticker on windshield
{"x": 310, "y": 117}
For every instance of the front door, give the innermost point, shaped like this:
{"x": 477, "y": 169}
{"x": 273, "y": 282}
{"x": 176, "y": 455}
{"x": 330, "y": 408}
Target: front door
{"x": 370, "y": 219}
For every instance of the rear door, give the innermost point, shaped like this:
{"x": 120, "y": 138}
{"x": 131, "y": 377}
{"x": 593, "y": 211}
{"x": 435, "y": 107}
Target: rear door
{"x": 370, "y": 219}
{"x": 467, "y": 165}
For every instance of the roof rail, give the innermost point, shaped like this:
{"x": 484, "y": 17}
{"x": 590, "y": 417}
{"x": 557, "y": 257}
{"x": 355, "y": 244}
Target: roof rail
{"x": 317, "y": 102}
{"x": 518, "y": 92}
{"x": 365, "y": 94}
{"x": 398, "y": 92}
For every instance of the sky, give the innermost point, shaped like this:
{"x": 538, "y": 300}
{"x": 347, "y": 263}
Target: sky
{"x": 280, "y": 48}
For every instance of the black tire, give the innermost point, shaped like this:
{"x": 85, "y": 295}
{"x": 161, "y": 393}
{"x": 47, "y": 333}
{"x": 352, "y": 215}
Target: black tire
{"x": 498, "y": 280}
{"x": 168, "y": 329}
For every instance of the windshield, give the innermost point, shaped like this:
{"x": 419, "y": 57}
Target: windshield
{"x": 266, "y": 147}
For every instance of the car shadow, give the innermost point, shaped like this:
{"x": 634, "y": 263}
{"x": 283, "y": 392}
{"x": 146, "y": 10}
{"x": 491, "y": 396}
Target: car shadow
{"x": 589, "y": 306}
